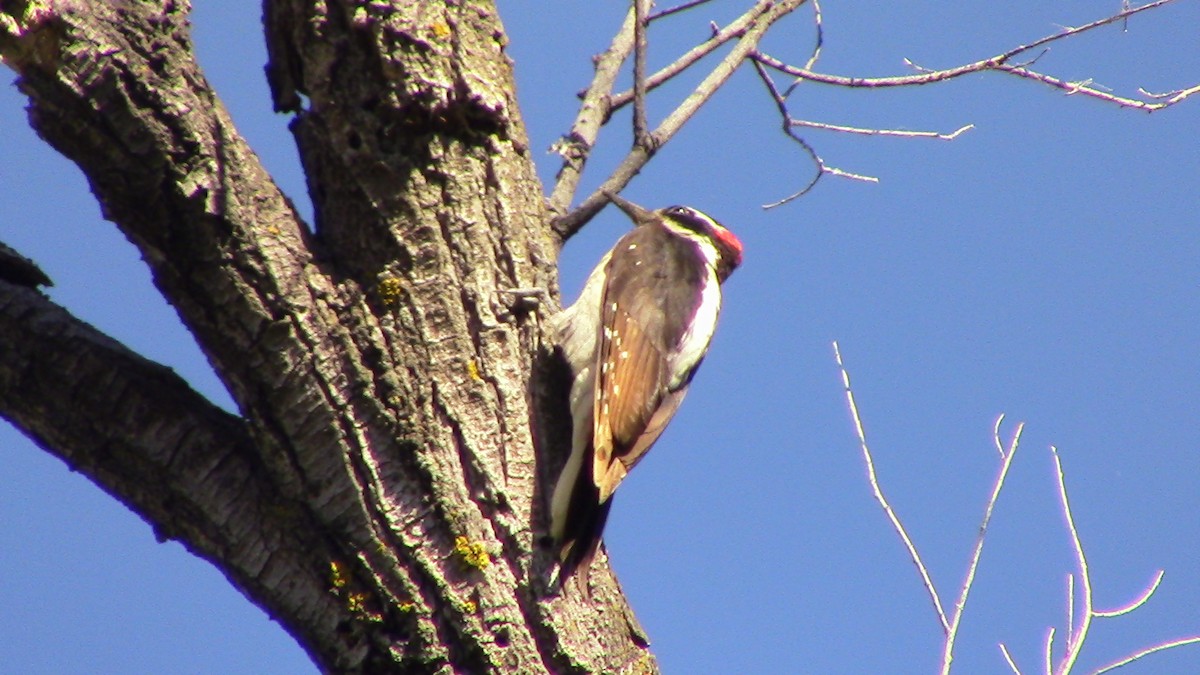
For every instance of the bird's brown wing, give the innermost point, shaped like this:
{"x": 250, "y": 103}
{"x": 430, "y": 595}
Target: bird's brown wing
{"x": 632, "y": 401}
{"x": 629, "y": 390}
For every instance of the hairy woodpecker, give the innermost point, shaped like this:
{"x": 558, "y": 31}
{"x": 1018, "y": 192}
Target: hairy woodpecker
{"x": 633, "y": 340}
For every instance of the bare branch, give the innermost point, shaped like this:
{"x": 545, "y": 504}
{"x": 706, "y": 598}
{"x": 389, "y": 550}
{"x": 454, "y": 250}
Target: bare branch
{"x": 948, "y": 646}
{"x": 599, "y": 102}
{"x": 880, "y": 132}
{"x": 1078, "y": 633}
{"x": 567, "y": 225}
{"x": 1009, "y": 659}
{"x": 639, "y": 71}
{"x": 593, "y": 111}
{"x": 998, "y": 63}
{"x": 820, "y": 41}
{"x": 879, "y": 496}
{"x": 1136, "y": 602}
{"x": 1087, "y": 89}
{"x": 822, "y": 167}
{"x": 675, "y": 10}
{"x": 1049, "y": 650}
{"x": 735, "y": 29}
{"x": 1147, "y": 651}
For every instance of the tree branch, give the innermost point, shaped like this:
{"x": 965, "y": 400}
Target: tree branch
{"x": 189, "y": 469}
{"x": 567, "y": 225}
{"x": 999, "y": 63}
{"x": 640, "y": 45}
{"x": 877, "y": 490}
{"x": 576, "y": 147}
{"x": 736, "y": 29}
{"x": 789, "y": 130}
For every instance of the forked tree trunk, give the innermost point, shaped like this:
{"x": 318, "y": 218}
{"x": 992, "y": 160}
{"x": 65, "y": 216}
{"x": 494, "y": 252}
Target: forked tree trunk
{"x": 400, "y": 419}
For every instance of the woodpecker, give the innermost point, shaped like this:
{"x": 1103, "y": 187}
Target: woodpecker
{"x": 633, "y": 340}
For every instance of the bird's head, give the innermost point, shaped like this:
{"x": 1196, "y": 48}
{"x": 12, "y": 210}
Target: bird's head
{"x": 727, "y": 245}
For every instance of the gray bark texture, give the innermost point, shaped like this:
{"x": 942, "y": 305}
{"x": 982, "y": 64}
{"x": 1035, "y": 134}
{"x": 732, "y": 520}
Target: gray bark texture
{"x": 382, "y": 491}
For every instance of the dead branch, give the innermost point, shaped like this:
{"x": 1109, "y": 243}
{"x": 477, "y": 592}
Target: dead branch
{"x": 593, "y": 113}
{"x": 598, "y": 102}
{"x": 822, "y": 168}
{"x": 882, "y": 499}
{"x": 1076, "y": 631}
{"x": 675, "y": 10}
{"x": 1001, "y": 62}
{"x": 736, "y": 29}
{"x": 568, "y": 224}
{"x": 1006, "y": 457}
{"x": 998, "y": 63}
{"x": 640, "y": 8}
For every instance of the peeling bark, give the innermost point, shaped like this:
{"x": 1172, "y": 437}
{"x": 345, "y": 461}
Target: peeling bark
{"x": 391, "y": 399}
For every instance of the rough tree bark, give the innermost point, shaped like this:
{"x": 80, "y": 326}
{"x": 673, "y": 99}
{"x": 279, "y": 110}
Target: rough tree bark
{"x": 398, "y": 418}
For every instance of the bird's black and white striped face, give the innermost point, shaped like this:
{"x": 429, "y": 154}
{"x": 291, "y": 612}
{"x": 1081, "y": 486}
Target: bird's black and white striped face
{"x": 705, "y": 231}
{"x": 634, "y": 339}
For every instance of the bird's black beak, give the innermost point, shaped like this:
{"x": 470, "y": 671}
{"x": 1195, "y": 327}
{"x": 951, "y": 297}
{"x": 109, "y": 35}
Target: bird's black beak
{"x": 637, "y": 213}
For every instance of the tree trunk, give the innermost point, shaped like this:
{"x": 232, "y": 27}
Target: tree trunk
{"x": 381, "y": 493}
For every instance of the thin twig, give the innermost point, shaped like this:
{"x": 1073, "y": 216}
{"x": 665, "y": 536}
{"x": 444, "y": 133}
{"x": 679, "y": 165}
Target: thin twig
{"x": 1088, "y": 89}
{"x": 1077, "y": 629}
{"x": 593, "y": 111}
{"x": 948, "y": 645}
{"x": 880, "y": 132}
{"x": 1079, "y": 633}
{"x": 629, "y": 167}
{"x": 996, "y": 436}
{"x": 1009, "y": 659}
{"x": 1136, "y": 602}
{"x": 819, "y": 23}
{"x": 734, "y": 30}
{"x": 879, "y": 496}
{"x": 820, "y": 40}
{"x": 999, "y": 63}
{"x": 1172, "y": 97}
{"x": 1050, "y": 651}
{"x": 822, "y": 167}
{"x": 639, "y": 71}
{"x": 1070, "y": 606}
{"x": 675, "y": 10}
{"x": 1149, "y": 650}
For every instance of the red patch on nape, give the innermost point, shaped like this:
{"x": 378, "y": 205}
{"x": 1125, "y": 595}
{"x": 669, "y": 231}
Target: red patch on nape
{"x": 732, "y": 244}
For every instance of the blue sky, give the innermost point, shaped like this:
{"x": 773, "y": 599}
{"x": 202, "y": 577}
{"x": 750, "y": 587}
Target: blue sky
{"x": 1044, "y": 265}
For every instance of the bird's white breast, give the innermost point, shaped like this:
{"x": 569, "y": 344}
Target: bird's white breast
{"x": 694, "y": 342}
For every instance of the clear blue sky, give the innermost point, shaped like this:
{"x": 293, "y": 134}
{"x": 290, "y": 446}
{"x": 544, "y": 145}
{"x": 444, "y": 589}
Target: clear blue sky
{"x": 1045, "y": 265}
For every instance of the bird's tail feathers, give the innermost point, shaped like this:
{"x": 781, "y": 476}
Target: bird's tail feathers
{"x": 585, "y": 525}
